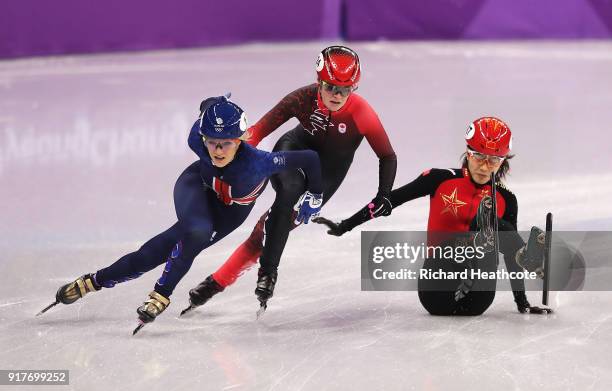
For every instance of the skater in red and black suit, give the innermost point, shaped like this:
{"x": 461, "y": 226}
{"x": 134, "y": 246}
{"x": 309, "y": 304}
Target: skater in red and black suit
{"x": 333, "y": 121}
{"x": 460, "y": 202}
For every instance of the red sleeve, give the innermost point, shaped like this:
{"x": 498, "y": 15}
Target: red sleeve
{"x": 368, "y": 124}
{"x": 284, "y": 110}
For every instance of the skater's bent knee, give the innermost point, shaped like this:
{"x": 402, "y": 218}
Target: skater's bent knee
{"x": 198, "y": 232}
{"x": 289, "y": 187}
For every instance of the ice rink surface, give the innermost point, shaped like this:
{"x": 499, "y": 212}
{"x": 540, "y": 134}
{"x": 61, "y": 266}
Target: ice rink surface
{"x": 90, "y": 147}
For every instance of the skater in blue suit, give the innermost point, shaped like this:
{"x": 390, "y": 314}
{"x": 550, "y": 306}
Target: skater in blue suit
{"x": 212, "y": 197}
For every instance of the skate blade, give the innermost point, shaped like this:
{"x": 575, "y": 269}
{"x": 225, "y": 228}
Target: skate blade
{"x": 541, "y": 311}
{"x": 47, "y": 308}
{"x": 137, "y": 329}
{"x": 261, "y": 310}
{"x": 186, "y": 310}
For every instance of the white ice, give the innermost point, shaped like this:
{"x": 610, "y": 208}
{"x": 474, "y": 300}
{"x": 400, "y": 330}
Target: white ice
{"x": 90, "y": 147}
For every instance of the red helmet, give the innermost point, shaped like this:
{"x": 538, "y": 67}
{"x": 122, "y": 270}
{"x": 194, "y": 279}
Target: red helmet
{"x": 489, "y": 135}
{"x": 339, "y": 65}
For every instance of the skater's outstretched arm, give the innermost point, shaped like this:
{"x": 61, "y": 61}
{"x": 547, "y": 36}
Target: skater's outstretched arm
{"x": 510, "y": 245}
{"x": 424, "y": 184}
{"x": 308, "y": 161}
{"x": 370, "y": 126}
{"x": 310, "y": 203}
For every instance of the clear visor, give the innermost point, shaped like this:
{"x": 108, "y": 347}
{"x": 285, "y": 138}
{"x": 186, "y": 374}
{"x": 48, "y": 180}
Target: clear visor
{"x": 224, "y": 144}
{"x": 481, "y": 157}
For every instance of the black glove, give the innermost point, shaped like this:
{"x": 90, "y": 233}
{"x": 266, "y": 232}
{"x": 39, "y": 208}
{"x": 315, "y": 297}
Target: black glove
{"x": 336, "y": 229}
{"x": 380, "y": 206}
{"x": 531, "y": 256}
{"x": 524, "y": 307}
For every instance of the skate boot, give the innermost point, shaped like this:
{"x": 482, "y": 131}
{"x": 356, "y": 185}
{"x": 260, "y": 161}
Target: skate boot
{"x": 465, "y": 286}
{"x": 73, "y": 291}
{"x": 485, "y": 237}
{"x": 265, "y": 288}
{"x": 523, "y": 306}
{"x": 151, "y": 309}
{"x": 202, "y": 293}
{"x": 531, "y": 256}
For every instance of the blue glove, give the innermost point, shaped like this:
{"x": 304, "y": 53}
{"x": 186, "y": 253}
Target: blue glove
{"x": 308, "y": 206}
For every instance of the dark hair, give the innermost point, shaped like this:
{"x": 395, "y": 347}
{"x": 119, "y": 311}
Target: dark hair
{"x": 501, "y": 173}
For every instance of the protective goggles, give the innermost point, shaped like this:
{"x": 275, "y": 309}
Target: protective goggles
{"x": 224, "y": 144}
{"x": 481, "y": 157}
{"x": 333, "y": 89}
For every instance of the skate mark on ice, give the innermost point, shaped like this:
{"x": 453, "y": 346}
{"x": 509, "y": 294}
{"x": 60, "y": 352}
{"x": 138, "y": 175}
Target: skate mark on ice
{"x": 305, "y": 316}
{"x": 10, "y": 303}
{"x": 528, "y": 342}
{"x": 230, "y": 387}
{"x": 41, "y": 358}
{"x": 304, "y": 360}
{"x": 321, "y": 364}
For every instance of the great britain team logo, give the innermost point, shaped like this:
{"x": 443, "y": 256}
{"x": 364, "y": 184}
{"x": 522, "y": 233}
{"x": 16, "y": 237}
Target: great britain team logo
{"x": 224, "y": 193}
{"x": 219, "y": 125}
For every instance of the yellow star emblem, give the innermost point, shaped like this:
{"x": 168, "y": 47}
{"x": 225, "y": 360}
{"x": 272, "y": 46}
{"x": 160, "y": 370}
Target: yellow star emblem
{"x": 451, "y": 203}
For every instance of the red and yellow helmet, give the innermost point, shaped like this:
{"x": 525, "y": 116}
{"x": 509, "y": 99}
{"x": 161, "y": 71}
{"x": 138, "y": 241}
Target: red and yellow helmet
{"x": 489, "y": 135}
